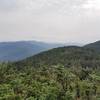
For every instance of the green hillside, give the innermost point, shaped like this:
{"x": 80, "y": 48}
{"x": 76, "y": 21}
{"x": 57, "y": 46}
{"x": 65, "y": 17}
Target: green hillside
{"x": 67, "y": 56}
{"x": 65, "y": 73}
{"x": 95, "y": 46}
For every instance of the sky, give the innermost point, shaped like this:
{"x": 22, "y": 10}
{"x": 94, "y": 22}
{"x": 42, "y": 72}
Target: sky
{"x": 50, "y": 20}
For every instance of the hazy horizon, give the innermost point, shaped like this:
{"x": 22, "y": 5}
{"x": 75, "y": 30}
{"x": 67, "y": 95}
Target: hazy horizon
{"x": 53, "y": 21}
{"x": 47, "y": 42}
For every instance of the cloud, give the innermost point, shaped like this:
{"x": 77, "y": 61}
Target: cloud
{"x": 92, "y": 4}
{"x": 56, "y": 20}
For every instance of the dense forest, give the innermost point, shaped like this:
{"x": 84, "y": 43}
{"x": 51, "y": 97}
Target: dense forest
{"x": 49, "y": 83}
{"x": 65, "y": 73}
{"x": 67, "y": 56}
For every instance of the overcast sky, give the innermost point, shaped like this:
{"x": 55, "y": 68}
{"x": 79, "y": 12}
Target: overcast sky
{"x": 50, "y": 20}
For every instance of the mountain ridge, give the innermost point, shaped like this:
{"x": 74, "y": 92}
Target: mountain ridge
{"x": 13, "y": 51}
{"x": 20, "y": 50}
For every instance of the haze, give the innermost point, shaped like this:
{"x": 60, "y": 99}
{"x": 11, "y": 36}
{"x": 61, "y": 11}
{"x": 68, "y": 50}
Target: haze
{"x": 50, "y": 20}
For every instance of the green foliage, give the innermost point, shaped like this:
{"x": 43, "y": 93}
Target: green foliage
{"x": 48, "y": 83}
{"x": 67, "y": 56}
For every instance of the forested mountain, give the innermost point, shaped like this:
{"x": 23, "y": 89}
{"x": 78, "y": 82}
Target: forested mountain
{"x": 13, "y": 51}
{"x": 67, "y": 56}
{"x": 95, "y": 46}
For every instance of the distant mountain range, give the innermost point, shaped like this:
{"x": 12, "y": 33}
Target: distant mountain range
{"x": 13, "y": 51}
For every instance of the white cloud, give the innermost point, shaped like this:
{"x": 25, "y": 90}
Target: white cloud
{"x": 92, "y": 4}
{"x": 56, "y": 20}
